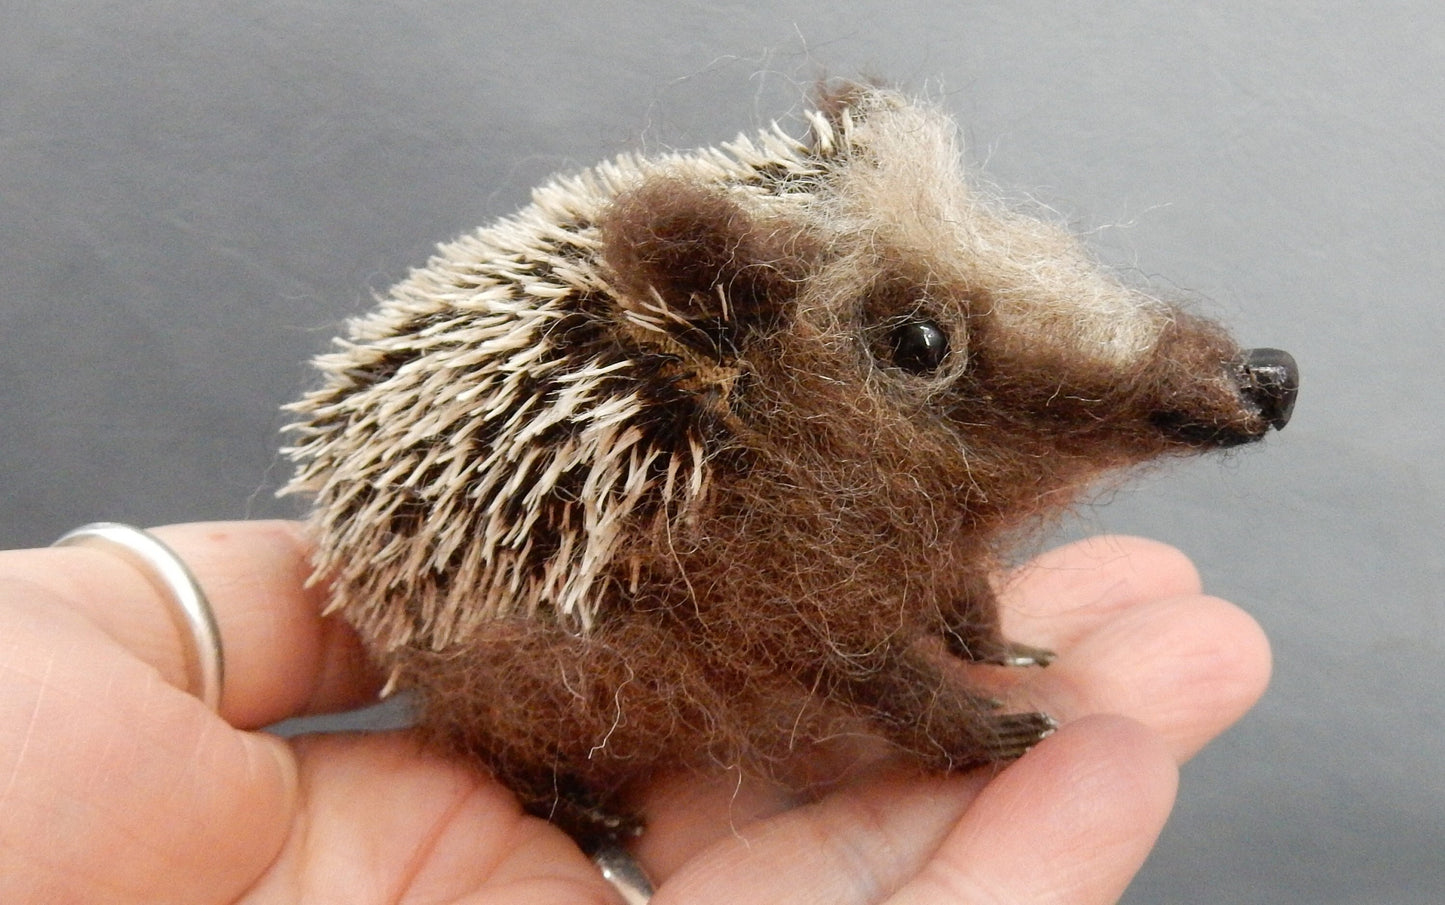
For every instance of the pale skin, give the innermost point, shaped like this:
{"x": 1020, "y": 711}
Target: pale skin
{"x": 118, "y": 786}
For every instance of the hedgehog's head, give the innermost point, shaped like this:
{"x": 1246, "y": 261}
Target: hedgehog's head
{"x": 870, "y": 313}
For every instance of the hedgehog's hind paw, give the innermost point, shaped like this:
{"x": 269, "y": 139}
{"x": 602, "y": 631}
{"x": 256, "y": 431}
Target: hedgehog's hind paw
{"x": 594, "y": 829}
{"x": 591, "y": 824}
{"x": 1011, "y": 735}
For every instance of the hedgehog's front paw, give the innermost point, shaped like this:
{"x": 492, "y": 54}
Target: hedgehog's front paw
{"x": 1013, "y": 734}
{"x": 1011, "y": 654}
{"x": 997, "y": 652}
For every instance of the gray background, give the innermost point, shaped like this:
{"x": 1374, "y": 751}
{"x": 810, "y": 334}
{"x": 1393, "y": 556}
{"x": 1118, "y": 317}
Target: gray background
{"x": 192, "y": 197}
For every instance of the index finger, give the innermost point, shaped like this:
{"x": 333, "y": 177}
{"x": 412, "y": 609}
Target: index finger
{"x": 283, "y": 657}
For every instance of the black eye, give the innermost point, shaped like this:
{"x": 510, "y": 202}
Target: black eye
{"x": 918, "y": 346}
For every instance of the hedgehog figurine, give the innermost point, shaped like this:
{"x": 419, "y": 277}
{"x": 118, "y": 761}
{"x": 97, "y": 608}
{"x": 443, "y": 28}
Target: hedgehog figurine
{"x": 702, "y": 460}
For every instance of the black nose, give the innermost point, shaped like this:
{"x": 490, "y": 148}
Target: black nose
{"x": 1269, "y": 379}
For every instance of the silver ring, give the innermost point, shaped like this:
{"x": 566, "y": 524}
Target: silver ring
{"x": 624, "y": 873}
{"x": 163, "y": 568}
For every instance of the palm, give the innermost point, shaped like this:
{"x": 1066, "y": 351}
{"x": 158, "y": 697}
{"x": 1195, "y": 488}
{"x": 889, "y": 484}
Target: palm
{"x": 192, "y": 810}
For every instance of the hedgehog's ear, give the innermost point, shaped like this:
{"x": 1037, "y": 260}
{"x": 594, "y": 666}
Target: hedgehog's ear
{"x": 690, "y": 257}
{"x": 831, "y": 97}
{"x": 838, "y": 101}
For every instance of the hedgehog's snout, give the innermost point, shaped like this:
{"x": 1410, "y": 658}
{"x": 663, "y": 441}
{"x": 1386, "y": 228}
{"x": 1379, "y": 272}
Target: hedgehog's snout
{"x": 1269, "y": 381}
{"x": 1266, "y": 382}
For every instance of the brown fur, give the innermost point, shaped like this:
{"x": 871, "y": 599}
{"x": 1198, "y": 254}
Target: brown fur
{"x": 742, "y": 520}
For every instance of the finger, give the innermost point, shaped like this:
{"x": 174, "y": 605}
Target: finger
{"x": 1135, "y": 637}
{"x": 1067, "y": 592}
{"x": 103, "y": 757}
{"x": 1187, "y": 667}
{"x": 1071, "y": 822}
{"x": 688, "y": 813}
{"x": 282, "y": 657}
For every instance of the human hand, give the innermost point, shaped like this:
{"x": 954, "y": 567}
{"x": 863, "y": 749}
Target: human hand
{"x": 121, "y": 787}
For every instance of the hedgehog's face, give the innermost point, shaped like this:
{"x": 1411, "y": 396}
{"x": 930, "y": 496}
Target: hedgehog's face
{"x": 1031, "y": 404}
{"x": 888, "y": 312}
{"x": 1037, "y": 337}
{"x": 1058, "y": 361}
{"x": 1034, "y": 406}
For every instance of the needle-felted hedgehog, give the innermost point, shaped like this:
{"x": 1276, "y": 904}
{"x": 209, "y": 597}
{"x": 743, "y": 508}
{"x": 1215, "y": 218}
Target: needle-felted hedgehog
{"x": 701, "y": 460}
